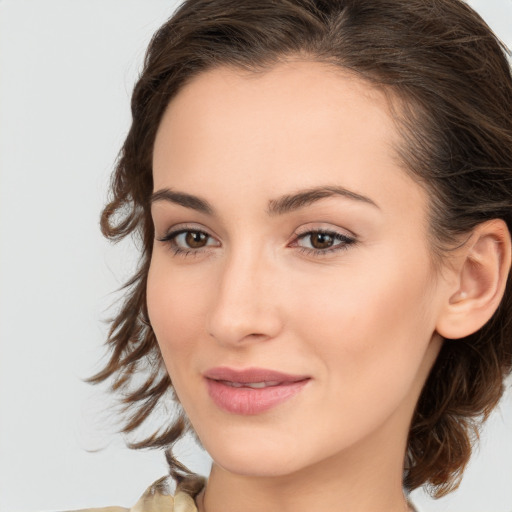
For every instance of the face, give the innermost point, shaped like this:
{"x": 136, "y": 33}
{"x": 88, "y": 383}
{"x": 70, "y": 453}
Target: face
{"x": 291, "y": 288}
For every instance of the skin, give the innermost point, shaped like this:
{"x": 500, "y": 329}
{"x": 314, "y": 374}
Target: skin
{"x": 360, "y": 321}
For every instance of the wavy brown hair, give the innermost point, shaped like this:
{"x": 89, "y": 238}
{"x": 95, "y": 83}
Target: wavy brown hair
{"x": 453, "y": 83}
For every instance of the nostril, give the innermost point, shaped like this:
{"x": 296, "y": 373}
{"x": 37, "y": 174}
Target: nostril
{"x": 238, "y": 338}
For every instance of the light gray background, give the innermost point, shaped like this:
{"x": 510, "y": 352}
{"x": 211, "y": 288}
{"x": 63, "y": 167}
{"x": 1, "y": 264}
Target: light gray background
{"x": 66, "y": 73}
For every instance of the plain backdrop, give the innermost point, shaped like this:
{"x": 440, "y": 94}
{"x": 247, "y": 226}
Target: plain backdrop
{"x": 66, "y": 73}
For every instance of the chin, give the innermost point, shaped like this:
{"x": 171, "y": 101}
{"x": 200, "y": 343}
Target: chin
{"x": 254, "y": 454}
{"x": 252, "y": 457}
{"x": 263, "y": 466}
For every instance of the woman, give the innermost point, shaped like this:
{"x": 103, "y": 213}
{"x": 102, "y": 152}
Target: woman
{"x": 322, "y": 195}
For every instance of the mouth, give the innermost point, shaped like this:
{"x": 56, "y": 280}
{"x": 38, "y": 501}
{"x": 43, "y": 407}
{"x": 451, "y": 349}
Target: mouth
{"x": 252, "y": 385}
{"x": 253, "y": 390}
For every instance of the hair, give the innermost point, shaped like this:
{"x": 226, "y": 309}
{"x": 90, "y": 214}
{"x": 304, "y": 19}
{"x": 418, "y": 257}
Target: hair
{"x": 453, "y": 83}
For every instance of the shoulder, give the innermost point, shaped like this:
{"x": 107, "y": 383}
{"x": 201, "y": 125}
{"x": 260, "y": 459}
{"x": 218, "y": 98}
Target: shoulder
{"x": 158, "y": 498}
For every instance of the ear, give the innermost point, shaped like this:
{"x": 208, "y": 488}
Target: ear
{"x": 480, "y": 271}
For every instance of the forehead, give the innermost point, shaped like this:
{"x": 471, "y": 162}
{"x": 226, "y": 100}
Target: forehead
{"x": 305, "y": 95}
{"x": 295, "y": 125}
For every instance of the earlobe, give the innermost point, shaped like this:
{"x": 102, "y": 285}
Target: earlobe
{"x": 482, "y": 270}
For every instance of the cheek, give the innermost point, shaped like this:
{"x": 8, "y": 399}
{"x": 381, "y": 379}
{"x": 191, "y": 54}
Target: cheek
{"x": 370, "y": 325}
{"x": 175, "y": 302}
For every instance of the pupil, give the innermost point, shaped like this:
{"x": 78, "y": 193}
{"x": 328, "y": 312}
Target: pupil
{"x": 195, "y": 239}
{"x": 322, "y": 240}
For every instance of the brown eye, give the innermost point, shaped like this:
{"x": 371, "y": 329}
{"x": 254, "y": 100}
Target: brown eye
{"x": 191, "y": 242}
{"x": 196, "y": 239}
{"x": 322, "y": 243}
{"x": 321, "y": 240}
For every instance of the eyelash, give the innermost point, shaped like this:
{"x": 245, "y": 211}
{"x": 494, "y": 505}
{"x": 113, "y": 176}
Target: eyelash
{"x": 170, "y": 239}
{"x": 345, "y": 240}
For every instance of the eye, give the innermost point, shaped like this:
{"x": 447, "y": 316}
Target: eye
{"x": 186, "y": 241}
{"x": 192, "y": 239}
{"x": 322, "y": 242}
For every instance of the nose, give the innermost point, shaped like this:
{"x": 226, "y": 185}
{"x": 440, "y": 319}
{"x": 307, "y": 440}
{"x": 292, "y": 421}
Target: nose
{"x": 245, "y": 309}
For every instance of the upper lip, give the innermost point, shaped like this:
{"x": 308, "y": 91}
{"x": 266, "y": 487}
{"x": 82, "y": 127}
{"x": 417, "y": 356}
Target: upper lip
{"x": 248, "y": 375}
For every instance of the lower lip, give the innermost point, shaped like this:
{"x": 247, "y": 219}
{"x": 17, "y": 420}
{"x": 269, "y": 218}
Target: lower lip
{"x": 249, "y": 400}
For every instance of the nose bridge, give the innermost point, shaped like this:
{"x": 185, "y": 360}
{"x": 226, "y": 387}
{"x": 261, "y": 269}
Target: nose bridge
{"x": 244, "y": 308}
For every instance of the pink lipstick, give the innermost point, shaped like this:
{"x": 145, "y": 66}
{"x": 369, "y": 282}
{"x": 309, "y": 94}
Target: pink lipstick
{"x": 253, "y": 390}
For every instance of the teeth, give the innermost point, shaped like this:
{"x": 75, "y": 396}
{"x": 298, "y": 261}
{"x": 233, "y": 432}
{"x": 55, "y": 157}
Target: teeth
{"x": 232, "y": 384}
{"x": 253, "y": 385}
{"x": 258, "y": 385}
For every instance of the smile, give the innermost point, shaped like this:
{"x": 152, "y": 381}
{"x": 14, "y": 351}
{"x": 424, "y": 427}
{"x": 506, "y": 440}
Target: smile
{"x": 251, "y": 391}
{"x": 252, "y": 385}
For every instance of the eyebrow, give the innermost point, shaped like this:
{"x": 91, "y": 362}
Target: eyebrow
{"x": 183, "y": 199}
{"x": 279, "y": 206}
{"x": 291, "y": 202}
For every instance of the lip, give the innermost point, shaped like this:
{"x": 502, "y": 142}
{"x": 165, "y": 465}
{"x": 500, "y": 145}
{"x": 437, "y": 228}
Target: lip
{"x": 229, "y": 388}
